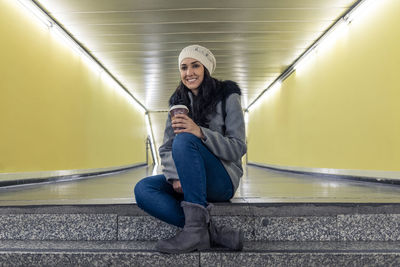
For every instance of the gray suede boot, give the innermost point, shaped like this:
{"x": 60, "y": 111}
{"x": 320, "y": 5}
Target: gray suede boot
{"x": 194, "y": 236}
{"x": 225, "y": 236}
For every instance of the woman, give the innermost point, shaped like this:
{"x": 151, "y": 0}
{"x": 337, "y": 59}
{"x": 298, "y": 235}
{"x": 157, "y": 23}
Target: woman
{"x": 201, "y": 158}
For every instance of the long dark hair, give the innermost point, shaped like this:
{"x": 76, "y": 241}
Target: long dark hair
{"x": 204, "y": 104}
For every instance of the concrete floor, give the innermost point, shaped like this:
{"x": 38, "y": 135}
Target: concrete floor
{"x": 258, "y": 185}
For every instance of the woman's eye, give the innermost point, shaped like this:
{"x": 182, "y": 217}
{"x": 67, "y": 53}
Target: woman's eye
{"x": 183, "y": 68}
{"x": 196, "y": 66}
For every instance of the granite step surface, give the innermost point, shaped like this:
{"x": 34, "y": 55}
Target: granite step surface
{"x": 141, "y": 253}
{"x": 259, "y": 222}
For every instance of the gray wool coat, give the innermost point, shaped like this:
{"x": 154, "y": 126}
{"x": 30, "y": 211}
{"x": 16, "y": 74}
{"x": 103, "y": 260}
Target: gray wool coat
{"x": 229, "y": 148}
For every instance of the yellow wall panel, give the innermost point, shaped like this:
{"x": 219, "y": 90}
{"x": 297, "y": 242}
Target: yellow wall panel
{"x": 56, "y": 112}
{"x": 341, "y": 110}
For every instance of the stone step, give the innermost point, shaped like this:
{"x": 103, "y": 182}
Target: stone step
{"x": 260, "y": 222}
{"x": 141, "y": 253}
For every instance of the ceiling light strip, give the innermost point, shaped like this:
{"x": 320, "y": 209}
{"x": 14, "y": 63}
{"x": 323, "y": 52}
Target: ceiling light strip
{"x": 346, "y": 18}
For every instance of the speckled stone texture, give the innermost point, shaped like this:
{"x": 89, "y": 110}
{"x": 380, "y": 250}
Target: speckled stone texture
{"x": 89, "y": 253}
{"x": 229, "y": 209}
{"x": 319, "y": 209}
{"x": 148, "y": 228}
{"x": 291, "y": 222}
{"x": 76, "y": 246}
{"x": 139, "y": 253}
{"x": 296, "y": 228}
{"x": 369, "y": 227}
{"x": 245, "y": 223}
{"x": 97, "y": 259}
{"x": 144, "y": 228}
{"x": 58, "y": 226}
{"x": 375, "y": 227}
{"x": 250, "y": 259}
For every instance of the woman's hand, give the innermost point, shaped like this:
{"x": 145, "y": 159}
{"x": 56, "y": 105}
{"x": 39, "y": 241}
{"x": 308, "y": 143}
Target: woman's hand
{"x": 176, "y": 184}
{"x": 187, "y": 125}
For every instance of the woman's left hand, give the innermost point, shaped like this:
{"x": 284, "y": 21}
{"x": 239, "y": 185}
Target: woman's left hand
{"x": 187, "y": 125}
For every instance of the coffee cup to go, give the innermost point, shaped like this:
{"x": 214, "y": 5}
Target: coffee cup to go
{"x": 178, "y": 109}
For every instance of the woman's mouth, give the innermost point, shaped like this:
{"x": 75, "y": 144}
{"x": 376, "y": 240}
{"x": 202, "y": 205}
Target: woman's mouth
{"x": 191, "y": 80}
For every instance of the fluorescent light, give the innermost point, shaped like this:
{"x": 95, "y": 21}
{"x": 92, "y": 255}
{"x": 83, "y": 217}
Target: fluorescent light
{"x": 304, "y": 60}
{"x": 65, "y": 38}
{"x": 275, "y": 86}
{"x": 246, "y": 117}
{"x": 327, "y": 39}
{"x": 358, "y": 10}
{"x": 334, "y": 33}
{"x": 271, "y": 89}
{"x": 37, "y": 12}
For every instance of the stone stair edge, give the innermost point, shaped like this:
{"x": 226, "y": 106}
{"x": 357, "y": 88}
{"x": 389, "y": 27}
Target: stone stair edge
{"x": 249, "y": 246}
{"x": 207, "y": 258}
{"x": 220, "y": 209}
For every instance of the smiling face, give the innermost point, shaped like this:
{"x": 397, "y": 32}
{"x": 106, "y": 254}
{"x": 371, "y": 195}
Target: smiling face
{"x": 192, "y": 74}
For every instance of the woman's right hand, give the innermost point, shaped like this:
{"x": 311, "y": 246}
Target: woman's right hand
{"x": 176, "y": 184}
{"x": 183, "y": 124}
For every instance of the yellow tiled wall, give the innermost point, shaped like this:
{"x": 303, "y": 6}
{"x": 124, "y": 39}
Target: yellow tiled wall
{"x": 56, "y": 112}
{"x": 342, "y": 109}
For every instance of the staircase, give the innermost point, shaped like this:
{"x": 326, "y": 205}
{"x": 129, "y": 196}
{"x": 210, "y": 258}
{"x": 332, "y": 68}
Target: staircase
{"x": 276, "y": 235}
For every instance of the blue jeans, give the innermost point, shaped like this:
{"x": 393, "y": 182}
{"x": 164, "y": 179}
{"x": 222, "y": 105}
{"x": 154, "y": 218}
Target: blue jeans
{"x": 202, "y": 176}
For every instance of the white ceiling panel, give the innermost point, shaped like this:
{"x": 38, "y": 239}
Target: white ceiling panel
{"x": 253, "y": 41}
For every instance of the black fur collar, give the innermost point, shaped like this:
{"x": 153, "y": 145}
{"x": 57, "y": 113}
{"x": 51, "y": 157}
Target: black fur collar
{"x": 229, "y": 87}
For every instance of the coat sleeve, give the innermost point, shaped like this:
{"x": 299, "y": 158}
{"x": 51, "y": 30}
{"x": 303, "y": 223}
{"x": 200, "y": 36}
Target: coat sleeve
{"x": 165, "y": 151}
{"x": 232, "y": 146}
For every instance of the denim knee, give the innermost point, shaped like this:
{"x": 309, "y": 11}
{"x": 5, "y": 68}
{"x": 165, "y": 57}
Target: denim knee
{"x": 184, "y": 139}
{"x": 140, "y": 192}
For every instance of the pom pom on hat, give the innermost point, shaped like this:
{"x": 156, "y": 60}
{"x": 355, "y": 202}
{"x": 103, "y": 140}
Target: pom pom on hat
{"x": 200, "y": 53}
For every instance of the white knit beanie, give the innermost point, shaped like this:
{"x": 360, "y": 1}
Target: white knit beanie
{"x": 200, "y": 53}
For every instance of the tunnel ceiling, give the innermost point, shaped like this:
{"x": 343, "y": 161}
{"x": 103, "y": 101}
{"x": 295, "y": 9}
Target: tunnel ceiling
{"x": 138, "y": 41}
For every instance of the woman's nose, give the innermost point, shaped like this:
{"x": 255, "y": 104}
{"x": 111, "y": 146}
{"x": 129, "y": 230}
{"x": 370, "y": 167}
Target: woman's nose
{"x": 189, "y": 71}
